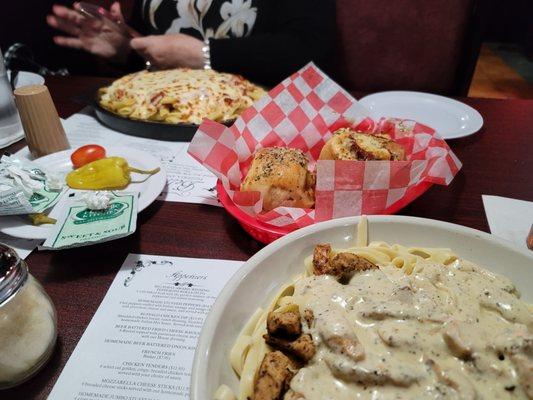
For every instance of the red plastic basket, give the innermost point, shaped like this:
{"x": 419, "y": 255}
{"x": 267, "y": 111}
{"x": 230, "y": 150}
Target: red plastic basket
{"x": 266, "y": 233}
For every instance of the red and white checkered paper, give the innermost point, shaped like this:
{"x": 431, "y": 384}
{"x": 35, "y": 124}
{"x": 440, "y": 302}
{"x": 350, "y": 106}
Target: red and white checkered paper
{"x": 302, "y": 112}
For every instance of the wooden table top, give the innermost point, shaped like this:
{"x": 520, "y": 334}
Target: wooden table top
{"x": 497, "y": 160}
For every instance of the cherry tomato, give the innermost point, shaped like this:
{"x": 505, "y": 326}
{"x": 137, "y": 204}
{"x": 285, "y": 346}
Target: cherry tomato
{"x": 86, "y": 154}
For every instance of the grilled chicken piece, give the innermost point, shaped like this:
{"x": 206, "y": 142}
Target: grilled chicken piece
{"x": 309, "y": 317}
{"x": 284, "y": 324}
{"x": 383, "y": 311}
{"x": 346, "y": 263}
{"x": 392, "y": 336}
{"x": 458, "y": 382}
{"x": 274, "y": 377}
{"x": 302, "y": 348}
{"x": 349, "y": 347}
{"x": 374, "y": 373}
{"x": 458, "y": 347}
{"x": 341, "y": 266}
{"x": 321, "y": 258}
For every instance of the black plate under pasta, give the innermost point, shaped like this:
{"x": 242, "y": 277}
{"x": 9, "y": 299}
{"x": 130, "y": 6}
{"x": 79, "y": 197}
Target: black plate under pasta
{"x": 181, "y": 132}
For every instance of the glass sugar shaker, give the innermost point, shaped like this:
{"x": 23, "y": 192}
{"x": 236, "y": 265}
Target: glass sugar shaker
{"x": 28, "y": 325}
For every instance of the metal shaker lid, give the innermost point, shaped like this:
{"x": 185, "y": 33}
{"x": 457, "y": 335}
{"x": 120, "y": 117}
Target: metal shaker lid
{"x": 13, "y": 273}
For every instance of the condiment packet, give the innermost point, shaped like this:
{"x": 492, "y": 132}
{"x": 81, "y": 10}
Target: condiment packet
{"x": 302, "y": 112}
{"x": 81, "y": 226}
{"x": 45, "y": 198}
{"x": 26, "y": 189}
{"x": 13, "y": 201}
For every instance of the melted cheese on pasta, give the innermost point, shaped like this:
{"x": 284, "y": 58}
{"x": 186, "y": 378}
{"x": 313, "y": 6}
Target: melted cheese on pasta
{"x": 180, "y": 96}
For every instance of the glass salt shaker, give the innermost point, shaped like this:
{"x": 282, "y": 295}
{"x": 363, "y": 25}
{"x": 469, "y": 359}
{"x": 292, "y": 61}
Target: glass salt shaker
{"x": 28, "y": 325}
{"x": 10, "y": 125}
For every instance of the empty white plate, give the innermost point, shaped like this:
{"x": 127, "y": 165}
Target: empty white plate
{"x": 450, "y": 118}
{"x": 13, "y": 136}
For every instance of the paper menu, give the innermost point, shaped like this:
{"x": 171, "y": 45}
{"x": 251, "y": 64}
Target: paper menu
{"x": 187, "y": 180}
{"x": 509, "y": 219}
{"x": 140, "y": 343}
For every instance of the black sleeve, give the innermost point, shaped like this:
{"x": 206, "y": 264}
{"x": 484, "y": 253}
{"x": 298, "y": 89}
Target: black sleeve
{"x": 134, "y": 62}
{"x": 135, "y": 19}
{"x": 300, "y": 31}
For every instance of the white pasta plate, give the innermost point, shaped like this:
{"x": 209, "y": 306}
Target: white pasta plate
{"x": 257, "y": 281}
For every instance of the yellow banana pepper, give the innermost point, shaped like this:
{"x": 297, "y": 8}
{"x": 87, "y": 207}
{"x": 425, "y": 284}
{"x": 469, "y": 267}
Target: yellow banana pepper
{"x": 39, "y": 219}
{"x": 104, "y": 174}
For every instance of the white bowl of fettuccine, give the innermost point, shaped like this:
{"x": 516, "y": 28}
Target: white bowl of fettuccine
{"x": 256, "y": 284}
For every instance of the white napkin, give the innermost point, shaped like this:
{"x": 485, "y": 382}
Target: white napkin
{"x": 509, "y": 219}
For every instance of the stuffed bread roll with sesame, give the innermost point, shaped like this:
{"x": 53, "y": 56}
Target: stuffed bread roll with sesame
{"x": 347, "y": 144}
{"x": 281, "y": 175}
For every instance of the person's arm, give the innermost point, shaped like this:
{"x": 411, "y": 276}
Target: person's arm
{"x": 303, "y": 31}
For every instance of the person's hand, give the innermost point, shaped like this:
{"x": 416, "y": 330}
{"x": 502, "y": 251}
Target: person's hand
{"x": 90, "y": 34}
{"x": 170, "y": 51}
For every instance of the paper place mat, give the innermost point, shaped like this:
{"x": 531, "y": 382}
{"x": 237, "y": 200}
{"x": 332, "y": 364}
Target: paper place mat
{"x": 140, "y": 343}
{"x": 187, "y": 180}
{"x": 23, "y": 247}
{"x": 509, "y": 219}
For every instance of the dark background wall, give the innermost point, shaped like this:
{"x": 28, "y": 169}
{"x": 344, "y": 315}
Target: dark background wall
{"x": 24, "y": 21}
{"x": 512, "y": 22}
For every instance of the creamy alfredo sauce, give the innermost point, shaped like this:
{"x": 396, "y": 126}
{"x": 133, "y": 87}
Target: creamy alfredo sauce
{"x": 454, "y": 331}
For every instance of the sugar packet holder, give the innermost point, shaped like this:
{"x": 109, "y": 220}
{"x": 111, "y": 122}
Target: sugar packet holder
{"x": 302, "y": 112}
{"x": 80, "y": 226}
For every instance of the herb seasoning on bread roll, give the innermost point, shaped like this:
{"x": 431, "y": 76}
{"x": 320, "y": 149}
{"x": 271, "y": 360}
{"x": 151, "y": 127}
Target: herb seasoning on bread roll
{"x": 347, "y": 144}
{"x": 282, "y": 177}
